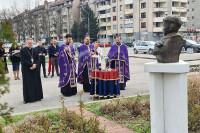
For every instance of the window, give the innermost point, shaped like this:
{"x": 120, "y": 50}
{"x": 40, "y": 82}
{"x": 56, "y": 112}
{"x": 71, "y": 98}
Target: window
{"x": 157, "y": 24}
{"x": 157, "y": 5}
{"x": 192, "y": 17}
{"x": 128, "y": 26}
{"x": 143, "y": 15}
{"x": 121, "y": 26}
{"x": 121, "y": 17}
{"x": 114, "y": 27}
{"x": 143, "y": 5}
{"x": 158, "y": 14}
{"x": 114, "y": 18}
{"x": 143, "y": 25}
{"x": 121, "y": 7}
{"x": 131, "y": 6}
{"x": 192, "y": 9}
{"x": 113, "y": 1}
{"x": 173, "y": 4}
{"x": 114, "y": 9}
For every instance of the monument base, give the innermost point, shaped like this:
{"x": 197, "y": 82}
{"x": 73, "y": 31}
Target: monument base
{"x": 168, "y": 96}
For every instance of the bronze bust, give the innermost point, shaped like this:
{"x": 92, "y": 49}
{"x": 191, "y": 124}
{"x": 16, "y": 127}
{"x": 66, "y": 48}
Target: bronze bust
{"x": 168, "y": 49}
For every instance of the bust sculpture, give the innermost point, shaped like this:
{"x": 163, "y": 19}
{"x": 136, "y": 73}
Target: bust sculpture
{"x": 168, "y": 49}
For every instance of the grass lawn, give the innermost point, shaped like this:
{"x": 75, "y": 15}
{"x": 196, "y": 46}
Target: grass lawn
{"x": 18, "y": 118}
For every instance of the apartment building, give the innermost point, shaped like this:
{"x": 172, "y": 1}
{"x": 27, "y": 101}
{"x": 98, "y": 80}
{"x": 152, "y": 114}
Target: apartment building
{"x": 47, "y": 21}
{"x": 115, "y": 18}
{"x": 193, "y": 19}
{"x": 137, "y": 19}
{"x": 150, "y": 16}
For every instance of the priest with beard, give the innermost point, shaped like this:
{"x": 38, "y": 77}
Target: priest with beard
{"x": 67, "y": 64}
{"x": 118, "y": 59}
{"x": 86, "y": 64}
{"x": 32, "y": 86}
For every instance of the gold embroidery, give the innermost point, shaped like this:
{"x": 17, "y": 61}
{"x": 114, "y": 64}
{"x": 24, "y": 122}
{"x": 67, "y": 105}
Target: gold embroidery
{"x": 65, "y": 64}
{"x": 63, "y": 55}
{"x": 65, "y": 74}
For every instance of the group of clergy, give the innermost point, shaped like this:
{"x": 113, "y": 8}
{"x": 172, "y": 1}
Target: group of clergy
{"x": 32, "y": 87}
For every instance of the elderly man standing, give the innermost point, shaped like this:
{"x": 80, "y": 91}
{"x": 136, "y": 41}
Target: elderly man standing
{"x": 32, "y": 86}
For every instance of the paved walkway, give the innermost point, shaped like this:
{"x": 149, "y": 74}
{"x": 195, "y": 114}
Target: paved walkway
{"x": 111, "y": 127}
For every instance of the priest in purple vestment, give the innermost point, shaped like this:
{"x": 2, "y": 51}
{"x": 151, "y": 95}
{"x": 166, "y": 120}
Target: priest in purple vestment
{"x": 118, "y": 59}
{"x": 86, "y": 64}
{"x": 67, "y": 64}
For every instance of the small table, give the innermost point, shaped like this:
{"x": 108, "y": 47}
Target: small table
{"x": 107, "y": 84}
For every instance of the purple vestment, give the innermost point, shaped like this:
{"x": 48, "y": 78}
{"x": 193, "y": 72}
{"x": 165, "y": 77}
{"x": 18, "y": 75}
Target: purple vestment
{"x": 67, "y": 67}
{"x": 85, "y": 59}
{"x": 119, "y": 54}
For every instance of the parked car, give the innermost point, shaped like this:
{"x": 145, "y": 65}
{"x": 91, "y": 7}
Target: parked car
{"x": 76, "y": 46}
{"x": 192, "y": 44}
{"x": 35, "y": 45}
{"x": 144, "y": 46}
{"x": 128, "y": 43}
{"x": 106, "y": 44}
{"x": 8, "y": 45}
{"x": 59, "y": 43}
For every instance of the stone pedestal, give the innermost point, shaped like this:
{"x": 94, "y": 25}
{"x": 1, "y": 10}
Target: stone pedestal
{"x": 168, "y": 97}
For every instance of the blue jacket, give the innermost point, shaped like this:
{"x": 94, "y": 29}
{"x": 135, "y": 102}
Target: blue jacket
{"x": 53, "y": 50}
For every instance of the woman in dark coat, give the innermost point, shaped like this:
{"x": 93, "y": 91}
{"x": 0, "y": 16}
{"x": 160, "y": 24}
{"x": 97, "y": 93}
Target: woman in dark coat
{"x": 15, "y": 59}
{"x": 3, "y": 56}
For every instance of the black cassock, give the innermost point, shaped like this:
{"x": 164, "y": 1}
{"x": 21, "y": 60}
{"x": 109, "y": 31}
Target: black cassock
{"x": 32, "y": 86}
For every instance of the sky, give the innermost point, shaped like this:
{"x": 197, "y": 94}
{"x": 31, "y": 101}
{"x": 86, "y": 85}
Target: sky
{"x": 20, "y": 3}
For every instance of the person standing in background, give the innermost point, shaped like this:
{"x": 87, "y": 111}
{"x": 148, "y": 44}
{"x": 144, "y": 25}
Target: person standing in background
{"x": 42, "y": 53}
{"x": 3, "y": 56}
{"x": 54, "y": 52}
{"x": 15, "y": 59}
{"x": 98, "y": 51}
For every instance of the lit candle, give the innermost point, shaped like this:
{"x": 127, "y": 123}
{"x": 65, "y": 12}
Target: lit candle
{"x": 104, "y": 50}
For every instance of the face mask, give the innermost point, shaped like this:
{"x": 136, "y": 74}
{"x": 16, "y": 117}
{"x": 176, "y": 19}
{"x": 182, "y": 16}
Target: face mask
{"x": 87, "y": 43}
{"x": 118, "y": 43}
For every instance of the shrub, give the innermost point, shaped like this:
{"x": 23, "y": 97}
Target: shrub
{"x": 194, "y": 102}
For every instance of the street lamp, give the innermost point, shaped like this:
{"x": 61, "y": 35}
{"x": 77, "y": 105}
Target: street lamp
{"x": 88, "y": 20}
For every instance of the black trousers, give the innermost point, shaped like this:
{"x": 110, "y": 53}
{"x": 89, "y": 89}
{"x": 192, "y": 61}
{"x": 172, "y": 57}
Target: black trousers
{"x": 54, "y": 61}
{"x": 86, "y": 83}
{"x": 43, "y": 64}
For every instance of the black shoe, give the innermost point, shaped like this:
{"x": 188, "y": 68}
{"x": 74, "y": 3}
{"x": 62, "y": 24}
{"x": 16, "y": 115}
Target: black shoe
{"x": 24, "y": 102}
{"x": 45, "y": 76}
{"x": 48, "y": 74}
{"x": 52, "y": 76}
{"x": 58, "y": 74}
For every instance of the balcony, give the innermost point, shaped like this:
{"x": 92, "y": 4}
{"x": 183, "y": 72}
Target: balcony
{"x": 129, "y": 11}
{"x": 109, "y": 33}
{"x": 102, "y": 16}
{"x": 108, "y": 6}
{"x": 160, "y": 9}
{"x": 128, "y": 21}
{"x": 184, "y": 19}
{"x": 179, "y": 9}
{"x": 101, "y": 24}
{"x": 102, "y": 32}
{"x": 176, "y": 0}
{"x": 102, "y": 7}
{"x": 109, "y": 23}
{"x": 160, "y": 0}
{"x": 158, "y": 29}
{"x": 128, "y": 30}
{"x": 128, "y": 2}
{"x": 184, "y": 1}
{"x": 158, "y": 19}
{"x": 108, "y": 15}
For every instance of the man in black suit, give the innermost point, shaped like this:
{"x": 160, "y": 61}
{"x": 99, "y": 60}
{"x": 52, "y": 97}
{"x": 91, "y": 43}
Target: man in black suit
{"x": 42, "y": 53}
{"x": 53, "y": 53}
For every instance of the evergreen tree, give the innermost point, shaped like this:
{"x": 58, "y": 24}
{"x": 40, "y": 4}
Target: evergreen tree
{"x": 75, "y": 31}
{"x": 94, "y": 28}
{"x": 6, "y": 32}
